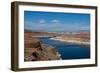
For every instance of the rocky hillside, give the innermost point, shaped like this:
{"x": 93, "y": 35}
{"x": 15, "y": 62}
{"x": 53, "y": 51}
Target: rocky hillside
{"x": 36, "y": 51}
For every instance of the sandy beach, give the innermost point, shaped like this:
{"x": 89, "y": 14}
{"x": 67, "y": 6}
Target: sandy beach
{"x": 71, "y": 41}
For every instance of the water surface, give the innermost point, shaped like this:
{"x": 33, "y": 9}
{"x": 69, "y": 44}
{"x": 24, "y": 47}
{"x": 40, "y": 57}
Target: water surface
{"x": 69, "y": 50}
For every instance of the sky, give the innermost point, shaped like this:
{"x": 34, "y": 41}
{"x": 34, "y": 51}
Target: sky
{"x": 56, "y": 21}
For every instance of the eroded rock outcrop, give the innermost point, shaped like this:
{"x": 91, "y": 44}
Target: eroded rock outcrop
{"x": 40, "y": 52}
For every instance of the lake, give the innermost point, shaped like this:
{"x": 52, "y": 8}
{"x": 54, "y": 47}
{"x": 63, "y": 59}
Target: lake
{"x": 68, "y": 50}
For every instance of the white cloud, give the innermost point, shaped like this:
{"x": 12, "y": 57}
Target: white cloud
{"x": 85, "y": 27}
{"x": 45, "y": 26}
{"x": 55, "y": 21}
{"x": 42, "y": 21}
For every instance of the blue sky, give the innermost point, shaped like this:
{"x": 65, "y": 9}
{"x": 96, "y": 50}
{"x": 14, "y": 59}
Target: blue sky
{"x": 56, "y": 21}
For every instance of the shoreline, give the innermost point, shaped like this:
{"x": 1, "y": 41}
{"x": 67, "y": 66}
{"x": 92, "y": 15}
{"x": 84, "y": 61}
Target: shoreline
{"x": 71, "y": 41}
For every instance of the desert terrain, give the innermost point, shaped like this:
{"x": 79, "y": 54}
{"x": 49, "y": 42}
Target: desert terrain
{"x": 37, "y": 51}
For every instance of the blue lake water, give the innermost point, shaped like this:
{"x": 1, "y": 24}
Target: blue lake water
{"x": 69, "y": 50}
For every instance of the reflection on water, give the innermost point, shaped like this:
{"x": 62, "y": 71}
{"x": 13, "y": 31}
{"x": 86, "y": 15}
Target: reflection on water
{"x": 69, "y": 50}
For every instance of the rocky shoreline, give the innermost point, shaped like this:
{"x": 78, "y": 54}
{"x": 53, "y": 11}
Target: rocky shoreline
{"x": 41, "y": 52}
